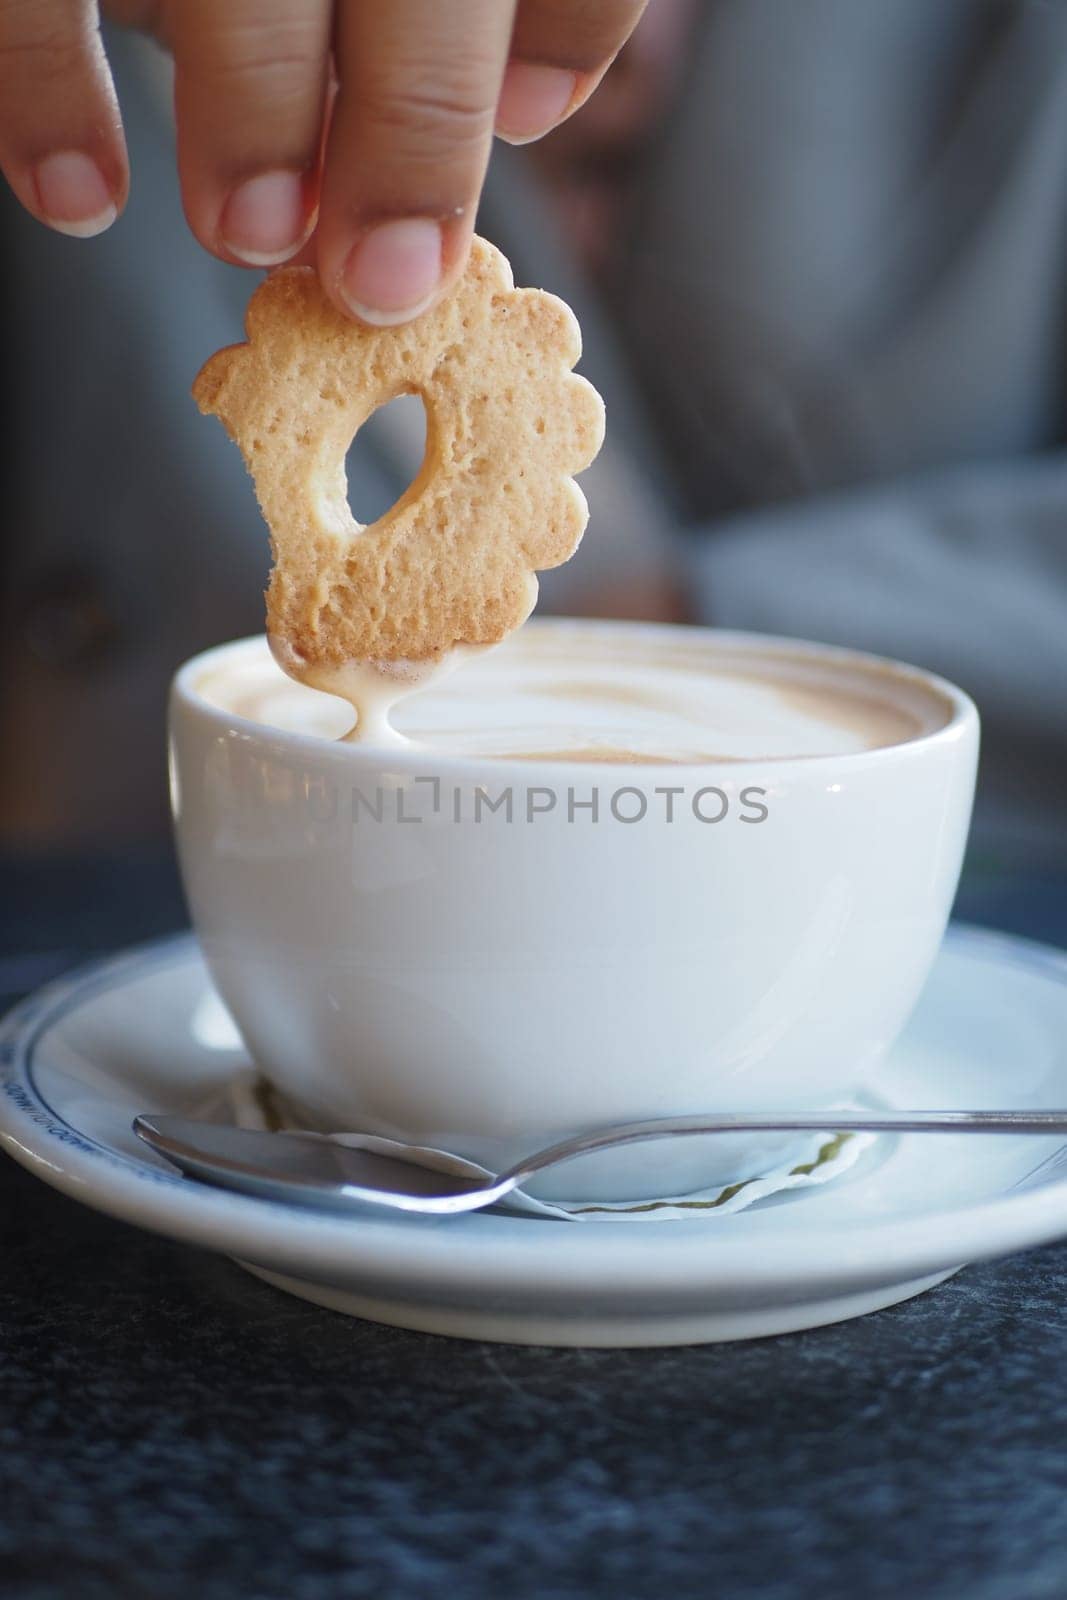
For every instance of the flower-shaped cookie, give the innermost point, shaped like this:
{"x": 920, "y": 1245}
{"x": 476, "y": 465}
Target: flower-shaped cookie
{"x": 508, "y": 422}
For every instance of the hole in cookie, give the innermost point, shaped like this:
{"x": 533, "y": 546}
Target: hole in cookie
{"x": 384, "y": 458}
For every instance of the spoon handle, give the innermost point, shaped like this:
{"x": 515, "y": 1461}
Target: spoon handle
{"x": 1038, "y": 1122}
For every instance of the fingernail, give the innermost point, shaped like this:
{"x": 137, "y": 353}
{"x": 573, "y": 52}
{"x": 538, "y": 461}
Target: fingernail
{"x": 393, "y": 272}
{"x": 265, "y": 220}
{"x": 532, "y": 100}
{"x": 72, "y": 194}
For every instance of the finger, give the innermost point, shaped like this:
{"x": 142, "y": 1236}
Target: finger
{"x": 407, "y": 150}
{"x": 559, "y": 53}
{"x": 61, "y": 144}
{"x": 250, "y": 91}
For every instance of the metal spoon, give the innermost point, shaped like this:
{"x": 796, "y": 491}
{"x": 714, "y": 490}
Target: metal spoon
{"x": 314, "y": 1170}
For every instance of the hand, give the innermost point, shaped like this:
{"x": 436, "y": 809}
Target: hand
{"x": 362, "y": 126}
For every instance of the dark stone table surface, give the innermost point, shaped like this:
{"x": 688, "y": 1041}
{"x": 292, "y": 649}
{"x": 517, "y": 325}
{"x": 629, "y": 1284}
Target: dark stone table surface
{"x": 171, "y": 1427}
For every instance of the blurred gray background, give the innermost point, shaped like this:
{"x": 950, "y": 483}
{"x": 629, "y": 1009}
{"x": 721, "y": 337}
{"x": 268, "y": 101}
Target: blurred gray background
{"x": 819, "y": 253}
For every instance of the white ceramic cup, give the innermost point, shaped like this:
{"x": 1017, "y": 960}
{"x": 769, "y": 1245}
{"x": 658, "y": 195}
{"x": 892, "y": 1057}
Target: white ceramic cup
{"x": 400, "y": 964}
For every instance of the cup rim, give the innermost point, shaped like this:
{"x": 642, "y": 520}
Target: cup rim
{"x": 963, "y": 713}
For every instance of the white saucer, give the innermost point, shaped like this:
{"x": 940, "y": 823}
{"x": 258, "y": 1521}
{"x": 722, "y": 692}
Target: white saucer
{"x": 141, "y": 1032}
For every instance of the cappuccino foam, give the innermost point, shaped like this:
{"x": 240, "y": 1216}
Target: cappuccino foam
{"x": 606, "y": 693}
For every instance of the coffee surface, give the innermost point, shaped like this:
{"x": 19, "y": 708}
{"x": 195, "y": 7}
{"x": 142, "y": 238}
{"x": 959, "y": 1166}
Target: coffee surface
{"x": 607, "y": 693}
